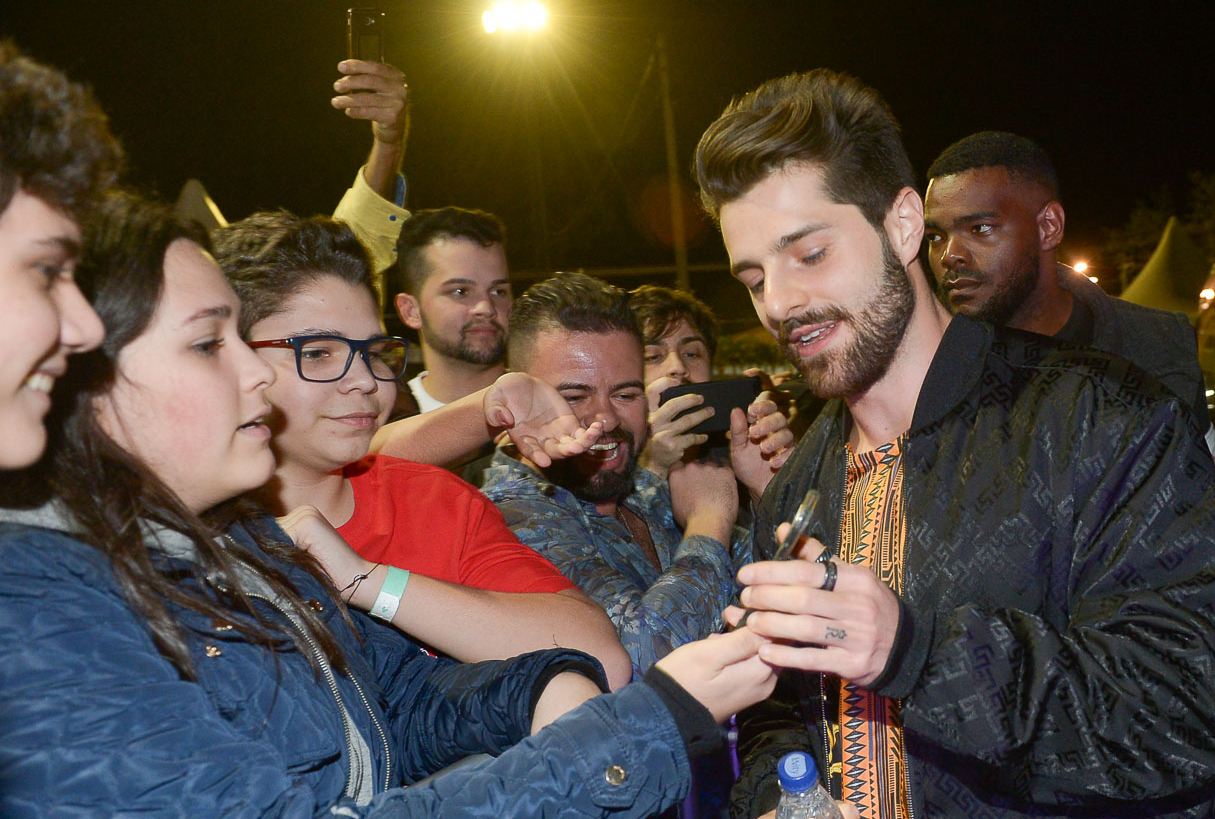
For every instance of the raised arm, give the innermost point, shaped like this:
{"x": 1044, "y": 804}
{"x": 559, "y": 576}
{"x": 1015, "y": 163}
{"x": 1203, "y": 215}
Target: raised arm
{"x": 378, "y": 93}
{"x": 374, "y": 205}
{"x": 534, "y": 415}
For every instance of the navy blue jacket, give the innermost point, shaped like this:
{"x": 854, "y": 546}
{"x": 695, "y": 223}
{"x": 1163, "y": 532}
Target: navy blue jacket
{"x": 95, "y": 721}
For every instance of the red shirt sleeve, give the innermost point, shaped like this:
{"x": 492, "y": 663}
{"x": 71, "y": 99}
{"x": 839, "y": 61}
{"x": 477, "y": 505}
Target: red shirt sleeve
{"x": 427, "y": 520}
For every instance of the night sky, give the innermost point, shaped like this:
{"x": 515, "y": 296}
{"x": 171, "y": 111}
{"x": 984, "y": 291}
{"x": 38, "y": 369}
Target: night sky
{"x": 236, "y": 93}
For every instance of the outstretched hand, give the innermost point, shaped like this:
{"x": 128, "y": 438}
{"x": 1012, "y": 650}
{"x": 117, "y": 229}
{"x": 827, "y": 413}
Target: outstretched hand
{"x": 723, "y": 671}
{"x": 538, "y": 420}
{"x": 376, "y": 92}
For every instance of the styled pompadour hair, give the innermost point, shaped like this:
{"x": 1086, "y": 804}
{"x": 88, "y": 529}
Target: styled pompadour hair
{"x": 821, "y": 118}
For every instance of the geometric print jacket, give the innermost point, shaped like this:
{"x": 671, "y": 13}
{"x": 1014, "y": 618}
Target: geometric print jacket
{"x": 1056, "y": 643}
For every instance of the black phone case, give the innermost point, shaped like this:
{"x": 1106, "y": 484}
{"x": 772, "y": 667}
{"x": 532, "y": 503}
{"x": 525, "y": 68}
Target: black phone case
{"x": 364, "y": 34}
{"x": 722, "y": 396}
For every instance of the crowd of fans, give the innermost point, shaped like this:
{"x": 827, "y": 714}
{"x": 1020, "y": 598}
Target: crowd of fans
{"x": 246, "y": 568}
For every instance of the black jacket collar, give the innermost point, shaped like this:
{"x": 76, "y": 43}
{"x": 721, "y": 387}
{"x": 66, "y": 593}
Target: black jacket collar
{"x": 956, "y": 367}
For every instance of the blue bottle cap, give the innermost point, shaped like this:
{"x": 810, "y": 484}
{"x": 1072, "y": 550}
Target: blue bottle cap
{"x": 797, "y": 772}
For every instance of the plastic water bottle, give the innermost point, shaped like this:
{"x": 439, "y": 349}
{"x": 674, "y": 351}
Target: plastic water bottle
{"x": 802, "y": 796}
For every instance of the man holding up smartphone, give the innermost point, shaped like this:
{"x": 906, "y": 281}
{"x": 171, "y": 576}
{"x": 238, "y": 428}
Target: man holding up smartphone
{"x": 374, "y": 207}
{"x": 659, "y": 557}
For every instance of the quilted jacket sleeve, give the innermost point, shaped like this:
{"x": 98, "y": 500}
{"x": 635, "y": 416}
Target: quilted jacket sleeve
{"x": 440, "y": 711}
{"x": 93, "y": 719}
{"x": 619, "y": 755}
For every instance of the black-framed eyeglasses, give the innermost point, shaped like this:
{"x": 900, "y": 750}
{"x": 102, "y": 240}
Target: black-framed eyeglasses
{"x": 327, "y": 358}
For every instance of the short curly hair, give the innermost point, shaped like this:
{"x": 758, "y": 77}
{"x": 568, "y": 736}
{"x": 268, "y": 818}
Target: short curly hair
{"x": 659, "y": 309}
{"x": 55, "y": 141}
{"x": 273, "y": 255}
{"x": 1020, "y": 156}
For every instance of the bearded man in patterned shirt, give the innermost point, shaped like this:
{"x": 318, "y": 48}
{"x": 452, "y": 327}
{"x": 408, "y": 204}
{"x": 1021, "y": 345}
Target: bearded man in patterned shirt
{"x": 1015, "y": 612}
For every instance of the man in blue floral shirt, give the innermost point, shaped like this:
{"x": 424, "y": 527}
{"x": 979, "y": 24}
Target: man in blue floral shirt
{"x": 659, "y": 556}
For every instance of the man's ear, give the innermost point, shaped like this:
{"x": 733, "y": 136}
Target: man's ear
{"x": 905, "y": 225}
{"x": 409, "y": 310}
{"x": 1050, "y": 225}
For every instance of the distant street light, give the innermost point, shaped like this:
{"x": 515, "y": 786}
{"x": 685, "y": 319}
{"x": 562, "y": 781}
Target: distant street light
{"x": 509, "y": 15}
{"x": 1080, "y": 267}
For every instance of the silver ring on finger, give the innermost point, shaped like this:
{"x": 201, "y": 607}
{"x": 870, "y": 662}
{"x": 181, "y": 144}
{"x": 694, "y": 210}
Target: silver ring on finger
{"x": 830, "y": 576}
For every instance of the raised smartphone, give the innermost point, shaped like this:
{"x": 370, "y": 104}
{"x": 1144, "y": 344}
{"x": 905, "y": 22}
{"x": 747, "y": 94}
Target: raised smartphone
{"x": 364, "y": 34}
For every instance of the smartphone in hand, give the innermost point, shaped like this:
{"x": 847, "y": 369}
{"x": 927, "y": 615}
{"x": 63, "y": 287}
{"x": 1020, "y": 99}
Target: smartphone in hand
{"x": 364, "y": 34}
{"x": 722, "y": 396}
{"x": 802, "y": 525}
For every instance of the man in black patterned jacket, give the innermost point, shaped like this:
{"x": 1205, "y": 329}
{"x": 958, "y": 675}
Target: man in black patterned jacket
{"x": 1019, "y": 617}
{"x": 993, "y": 224}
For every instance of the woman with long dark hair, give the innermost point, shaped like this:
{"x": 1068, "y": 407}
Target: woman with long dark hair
{"x": 165, "y": 649}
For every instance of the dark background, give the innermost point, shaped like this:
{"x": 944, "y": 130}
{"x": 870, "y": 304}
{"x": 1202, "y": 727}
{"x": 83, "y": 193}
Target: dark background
{"x": 235, "y": 93}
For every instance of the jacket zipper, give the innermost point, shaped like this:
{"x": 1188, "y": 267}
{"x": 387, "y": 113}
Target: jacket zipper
{"x": 327, "y": 670}
{"x": 823, "y": 732}
{"x": 907, "y": 774}
{"x": 379, "y": 730}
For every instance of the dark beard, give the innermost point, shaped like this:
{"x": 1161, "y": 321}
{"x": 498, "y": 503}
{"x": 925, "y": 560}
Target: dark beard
{"x": 578, "y": 474}
{"x": 462, "y": 351}
{"x": 1007, "y": 299}
{"x": 878, "y": 331}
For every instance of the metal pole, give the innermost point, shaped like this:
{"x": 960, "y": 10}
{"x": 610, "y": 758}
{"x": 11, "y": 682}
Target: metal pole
{"x": 679, "y": 238}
